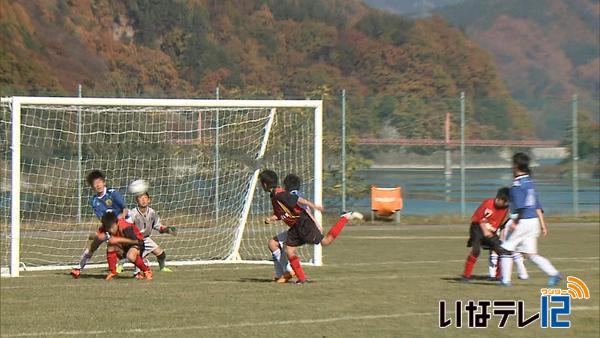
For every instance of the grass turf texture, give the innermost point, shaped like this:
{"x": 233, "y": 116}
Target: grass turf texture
{"x": 377, "y": 281}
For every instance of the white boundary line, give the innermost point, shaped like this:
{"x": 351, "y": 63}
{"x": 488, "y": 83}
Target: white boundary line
{"x": 249, "y": 324}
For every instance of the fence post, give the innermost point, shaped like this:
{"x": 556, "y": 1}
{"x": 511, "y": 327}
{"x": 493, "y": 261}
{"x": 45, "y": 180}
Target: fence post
{"x": 575, "y": 157}
{"x": 344, "y": 149}
{"x": 462, "y": 154}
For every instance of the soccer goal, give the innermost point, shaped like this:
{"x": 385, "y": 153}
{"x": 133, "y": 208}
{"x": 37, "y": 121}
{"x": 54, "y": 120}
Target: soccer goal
{"x": 201, "y": 157}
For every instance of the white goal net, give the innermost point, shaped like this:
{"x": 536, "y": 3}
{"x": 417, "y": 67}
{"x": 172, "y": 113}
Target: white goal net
{"x": 201, "y": 158}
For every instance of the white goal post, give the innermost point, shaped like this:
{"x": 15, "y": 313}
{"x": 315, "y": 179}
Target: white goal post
{"x": 202, "y": 158}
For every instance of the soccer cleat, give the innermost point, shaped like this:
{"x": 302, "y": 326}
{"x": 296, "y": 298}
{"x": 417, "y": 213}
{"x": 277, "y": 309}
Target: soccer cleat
{"x": 166, "y": 269}
{"x": 139, "y": 275}
{"x": 148, "y": 274}
{"x": 554, "y": 280}
{"x": 285, "y": 278}
{"x": 352, "y": 215}
{"x": 493, "y": 279}
{"x": 111, "y": 275}
{"x": 465, "y": 279}
{"x": 120, "y": 268}
{"x": 523, "y": 277}
{"x": 302, "y": 282}
{"x": 75, "y": 273}
{"x": 507, "y": 284}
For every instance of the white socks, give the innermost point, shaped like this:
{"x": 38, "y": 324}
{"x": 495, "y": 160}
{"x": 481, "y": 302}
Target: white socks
{"x": 544, "y": 265}
{"x": 492, "y": 264}
{"x": 506, "y": 262}
{"x": 518, "y": 260}
{"x": 277, "y": 262}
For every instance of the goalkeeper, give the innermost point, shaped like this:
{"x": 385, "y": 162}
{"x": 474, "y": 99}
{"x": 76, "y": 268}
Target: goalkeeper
{"x": 105, "y": 200}
{"x": 146, "y": 219}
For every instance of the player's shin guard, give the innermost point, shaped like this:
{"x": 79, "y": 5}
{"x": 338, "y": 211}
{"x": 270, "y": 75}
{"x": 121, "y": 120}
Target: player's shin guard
{"x": 544, "y": 265}
{"x": 492, "y": 264}
{"x": 277, "y": 262}
{"x": 295, "y": 263}
{"x": 506, "y": 263}
{"x": 336, "y": 229}
{"x": 139, "y": 262}
{"x": 471, "y": 260}
{"x": 518, "y": 261}
{"x": 85, "y": 257}
{"x": 111, "y": 258}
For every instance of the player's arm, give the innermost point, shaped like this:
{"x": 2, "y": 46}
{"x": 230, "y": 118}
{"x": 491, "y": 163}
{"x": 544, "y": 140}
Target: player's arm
{"x": 540, "y": 215}
{"x": 129, "y": 238}
{"x": 518, "y": 195}
{"x": 310, "y": 204}
{"x": 271, "y": 219}
{"x": 161, "y": 228}
{"x": 485, "y": 228}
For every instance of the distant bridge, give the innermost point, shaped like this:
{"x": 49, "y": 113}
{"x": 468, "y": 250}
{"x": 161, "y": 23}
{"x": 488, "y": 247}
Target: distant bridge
{"x": 456, "y": 143}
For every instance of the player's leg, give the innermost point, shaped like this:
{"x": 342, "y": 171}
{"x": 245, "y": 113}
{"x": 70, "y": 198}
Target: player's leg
{"x": 492, "y": 265}
{"x": 273, "y": 245}
{"x": 295, "y": 263}
{"x": 339, "y": 226}
{"x": 135, "y": 257}
{"x": 474, "y": 242}
{"x": 113, "y": 253}
{"x": 94, "y": 241}
{"x": 519, "y": 263}
{"x": 161, "y": 256}
{"x": 529, "y": 247}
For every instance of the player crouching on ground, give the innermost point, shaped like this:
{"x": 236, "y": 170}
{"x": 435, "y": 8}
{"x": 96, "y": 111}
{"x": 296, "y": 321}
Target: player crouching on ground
{"x": 484, "y": 223}
{"x": 146, "y": 219}
{"x": 124, "y": 240}
{"x": 302, "y": 228}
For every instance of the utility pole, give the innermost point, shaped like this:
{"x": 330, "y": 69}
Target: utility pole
{"x": 462, "y": 154}
{"x": 575, "y": 157}
{"x": 344, "y": 149}
{"x": 79, "y": 159}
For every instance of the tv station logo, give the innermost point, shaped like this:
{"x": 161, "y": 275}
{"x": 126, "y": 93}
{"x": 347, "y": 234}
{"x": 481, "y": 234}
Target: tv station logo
{"x": 555, "y": 308}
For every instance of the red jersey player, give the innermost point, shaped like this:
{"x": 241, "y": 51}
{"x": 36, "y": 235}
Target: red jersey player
{"x": 124, "y": 240}
{"x": 485, "y": 221}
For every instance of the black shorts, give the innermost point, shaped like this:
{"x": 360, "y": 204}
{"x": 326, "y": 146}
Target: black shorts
{"x": 305, "y": 231}
{"x": 139, "y": 246}
{"x": 478, "y": 240}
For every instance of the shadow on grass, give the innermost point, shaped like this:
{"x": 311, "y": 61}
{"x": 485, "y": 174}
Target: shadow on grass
{"x": 256, "y": 280}
{"x": 83, "y": 275}
{"x": 476, "y": 280}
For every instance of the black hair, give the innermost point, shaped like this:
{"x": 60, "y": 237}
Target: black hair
{"x": 503, "y": 194}
{"x": 108, "y": 220}
{"x": 94, "y": 175}
{"x": 521, "y": 161}
{"x": 292, "y": 182}
{"x": 268, "y": 178}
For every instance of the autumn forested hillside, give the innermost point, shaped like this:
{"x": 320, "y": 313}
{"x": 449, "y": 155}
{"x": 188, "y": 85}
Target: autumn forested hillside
{"x": 398, "y": 72}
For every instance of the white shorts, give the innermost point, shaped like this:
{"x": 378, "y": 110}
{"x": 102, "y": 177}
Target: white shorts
{"x": 281, "y": 238}
{"x": 149, "y": 246}
{"x": 524, "y": 237}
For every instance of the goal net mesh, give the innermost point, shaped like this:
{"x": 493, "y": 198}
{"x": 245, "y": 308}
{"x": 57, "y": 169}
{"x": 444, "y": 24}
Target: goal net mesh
{"x": 199, "y": 163}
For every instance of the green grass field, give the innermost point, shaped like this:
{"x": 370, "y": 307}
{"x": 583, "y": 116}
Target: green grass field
{"x": 381, "y": 280}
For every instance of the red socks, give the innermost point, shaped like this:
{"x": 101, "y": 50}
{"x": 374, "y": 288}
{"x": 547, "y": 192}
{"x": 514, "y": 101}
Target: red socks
{"x": 471, "y": 260}
{"x": 112, "y": 259}
{"x": 337, "y": 228}
{"x": 139, "y": 262}
{"x": 295, "y": 263}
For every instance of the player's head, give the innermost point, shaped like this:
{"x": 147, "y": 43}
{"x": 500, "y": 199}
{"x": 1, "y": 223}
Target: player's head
{"x": 109, "y": 222}
{"x": 520, "y": 163}
{"x": 143, "y": 200}
{"x": 268, "y": 179}
{"x": 291, "y": 182}
{"x": 501, "y": 201}
{"x": 96, "y": 180}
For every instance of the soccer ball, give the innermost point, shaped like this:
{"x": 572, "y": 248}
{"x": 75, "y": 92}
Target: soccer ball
{"x": 138, "y": 187}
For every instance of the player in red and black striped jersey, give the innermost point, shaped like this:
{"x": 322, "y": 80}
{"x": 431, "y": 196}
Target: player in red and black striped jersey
{"x": 486, "y": 220}
{"x": 124, "y": 240}
{"x": 287, "y": 207}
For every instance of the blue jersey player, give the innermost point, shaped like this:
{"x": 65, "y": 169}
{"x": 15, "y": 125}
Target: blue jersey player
{"x": 526, "y": 221}
{"x": 105, "y": 200}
